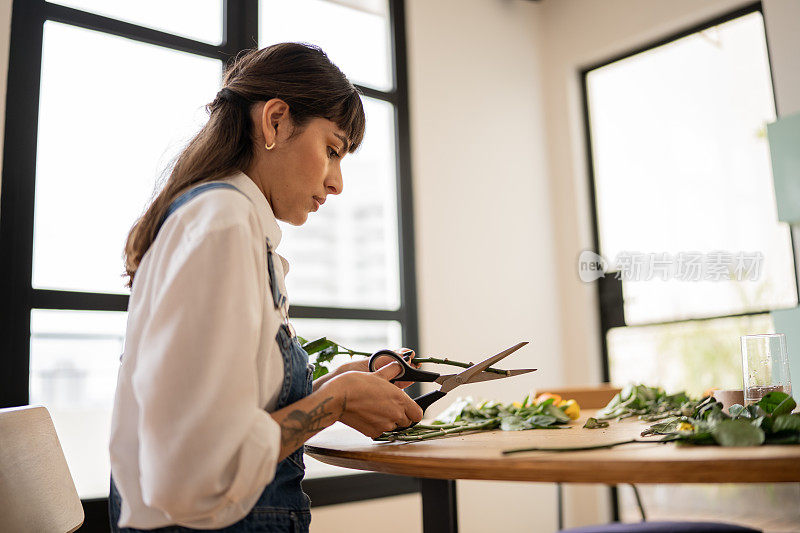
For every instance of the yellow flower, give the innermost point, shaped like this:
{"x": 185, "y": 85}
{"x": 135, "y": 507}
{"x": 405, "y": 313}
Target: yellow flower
{"x": 571, "y": 409}
{"x": 685, "y": 426}
{"x": 517, "y": 404}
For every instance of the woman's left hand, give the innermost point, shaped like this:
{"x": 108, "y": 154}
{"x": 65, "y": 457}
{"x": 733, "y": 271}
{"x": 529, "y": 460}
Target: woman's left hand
{"x": 362, "y": 365}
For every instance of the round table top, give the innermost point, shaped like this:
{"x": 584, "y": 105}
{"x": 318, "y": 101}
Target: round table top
{"x": 478, "y": 456}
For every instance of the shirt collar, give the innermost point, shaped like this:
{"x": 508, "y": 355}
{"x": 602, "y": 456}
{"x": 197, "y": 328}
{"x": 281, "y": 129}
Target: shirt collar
{"x": 265, "y": 215}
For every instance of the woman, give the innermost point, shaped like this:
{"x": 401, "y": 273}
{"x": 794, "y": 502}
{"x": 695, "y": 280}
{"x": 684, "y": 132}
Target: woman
{"x": 214, "y": 398}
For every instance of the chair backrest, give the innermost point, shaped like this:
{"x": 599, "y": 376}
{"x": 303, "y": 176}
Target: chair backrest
{"x": 36, "y": 489}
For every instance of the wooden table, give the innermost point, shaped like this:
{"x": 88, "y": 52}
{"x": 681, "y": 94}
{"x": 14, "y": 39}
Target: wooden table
{"x": 478, "y": 456}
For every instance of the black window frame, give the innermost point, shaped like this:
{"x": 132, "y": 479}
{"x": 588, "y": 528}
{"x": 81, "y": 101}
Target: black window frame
{"x": 609, "y": 288}
{"x": 17, "y": 189}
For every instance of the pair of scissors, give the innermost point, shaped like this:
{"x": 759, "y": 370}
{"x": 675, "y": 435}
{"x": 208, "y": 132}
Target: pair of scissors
{"x": 448, "y": 382}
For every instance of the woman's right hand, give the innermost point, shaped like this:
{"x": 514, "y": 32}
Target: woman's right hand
{"x": 372, "y": 405}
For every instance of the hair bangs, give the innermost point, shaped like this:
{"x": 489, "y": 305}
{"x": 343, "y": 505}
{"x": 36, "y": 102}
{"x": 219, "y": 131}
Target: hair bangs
{"x": 349, "y": 116}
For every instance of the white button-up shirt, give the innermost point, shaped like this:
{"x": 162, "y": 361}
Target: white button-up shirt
{"x": 192, "y": 441}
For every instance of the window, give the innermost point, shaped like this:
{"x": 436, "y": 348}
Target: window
{"x": 684, "y": 199}
{"x": 686, "y": 220}
{"x": 95, "y": 126}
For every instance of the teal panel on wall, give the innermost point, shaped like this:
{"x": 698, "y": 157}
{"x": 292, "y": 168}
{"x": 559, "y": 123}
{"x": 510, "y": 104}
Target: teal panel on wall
{"x": 787, "y": 321}
{"x": 784, "y": 147}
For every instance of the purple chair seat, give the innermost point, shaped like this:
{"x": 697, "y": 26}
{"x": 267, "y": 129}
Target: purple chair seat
{"x": 663, "y": 527}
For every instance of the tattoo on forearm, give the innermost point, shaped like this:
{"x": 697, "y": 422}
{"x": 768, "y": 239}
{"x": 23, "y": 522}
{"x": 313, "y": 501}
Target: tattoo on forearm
{"x": 299, "y": 425}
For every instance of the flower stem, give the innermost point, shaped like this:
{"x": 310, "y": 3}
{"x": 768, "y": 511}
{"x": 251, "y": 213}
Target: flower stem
{"x": 348, "y": 351}
{"x": 436, "y": 426}
{"x": 455, "y": 363}
{"x": 574, "y": 448}
{"x": 441, "y": 430}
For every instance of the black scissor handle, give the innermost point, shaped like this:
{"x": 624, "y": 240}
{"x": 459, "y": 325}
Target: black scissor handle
{"x": 424, "y": 402}
{"x": 407, "y": 372}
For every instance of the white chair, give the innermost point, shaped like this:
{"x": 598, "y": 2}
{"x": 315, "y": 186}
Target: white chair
{"x": 37, "y": 493}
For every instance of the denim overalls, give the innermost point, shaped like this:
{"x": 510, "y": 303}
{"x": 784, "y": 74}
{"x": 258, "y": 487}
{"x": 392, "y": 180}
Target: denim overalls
{"x": 283, "y": 506}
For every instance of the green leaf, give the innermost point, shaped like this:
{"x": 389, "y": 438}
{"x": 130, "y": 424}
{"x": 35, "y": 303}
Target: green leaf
{"x": 701, "y": 438}
{"x": 783, "y": 438}
{"x": 763, "y": 422}
{"x": 542, "y": 420}
{"x": 777, "y": 403}
{"x": 755, "y": 410}
{"x": 301, "y": 340}
{"x": 786, "y": 423}
{"x": 648, "y": 394}
{"x": 319, "y": 371}
{"x": 714, "y": 413}
{"x": 490, "y": 410}
{"x": 678, "y": 398}
{"x": 737, "y": 433}
{"x": 664, "y": 428}
{"x": 614, "y": 413}
{"x": 615, "y": 401}
{"x": 525, "y": 401}
{"x": 318, "y": 345}
{"x": 326, "y": 355}
{"x": 555, "y": 412}
{"x": 736, "y": 410}
{"x": 708, "y": 408}
{"x": 626, "y": 393}
{"x": 785, "y": 407}
{"x": 513, "y": 423}
{"x": 593, "y": 423}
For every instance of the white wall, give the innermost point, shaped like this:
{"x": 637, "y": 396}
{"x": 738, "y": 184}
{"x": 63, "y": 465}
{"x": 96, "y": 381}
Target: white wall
{"x": 482, "y": 212}
{"x": 483, "y": 219}
{"x": 484, "y": 230}
{"x": 782, "y": 19}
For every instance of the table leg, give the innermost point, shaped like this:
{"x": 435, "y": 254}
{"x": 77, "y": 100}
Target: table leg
{"x": 439, "y": 512}
{"x": 560, "y": 505}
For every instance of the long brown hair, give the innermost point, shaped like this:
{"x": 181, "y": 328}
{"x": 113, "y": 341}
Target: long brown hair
{"x": 299, "y": 74}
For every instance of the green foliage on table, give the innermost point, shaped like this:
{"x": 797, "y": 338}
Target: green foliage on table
{"x": 648, "y": 403}
{"x": 698, "y": 422}
{"x": 465, "y": 414}
{"x": 769, "y": 421}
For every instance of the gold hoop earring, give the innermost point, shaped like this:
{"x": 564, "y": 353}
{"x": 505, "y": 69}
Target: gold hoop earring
{"x": 270, "y": 146}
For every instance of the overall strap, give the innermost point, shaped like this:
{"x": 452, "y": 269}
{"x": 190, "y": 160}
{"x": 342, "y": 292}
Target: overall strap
{"x": 188, "y": 195}
{"x": 278, "y": 298}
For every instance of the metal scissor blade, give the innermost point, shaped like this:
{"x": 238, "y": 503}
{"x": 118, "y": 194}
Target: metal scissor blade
{"x": 466, "y": 375}
{"x": 488, "y": 376}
